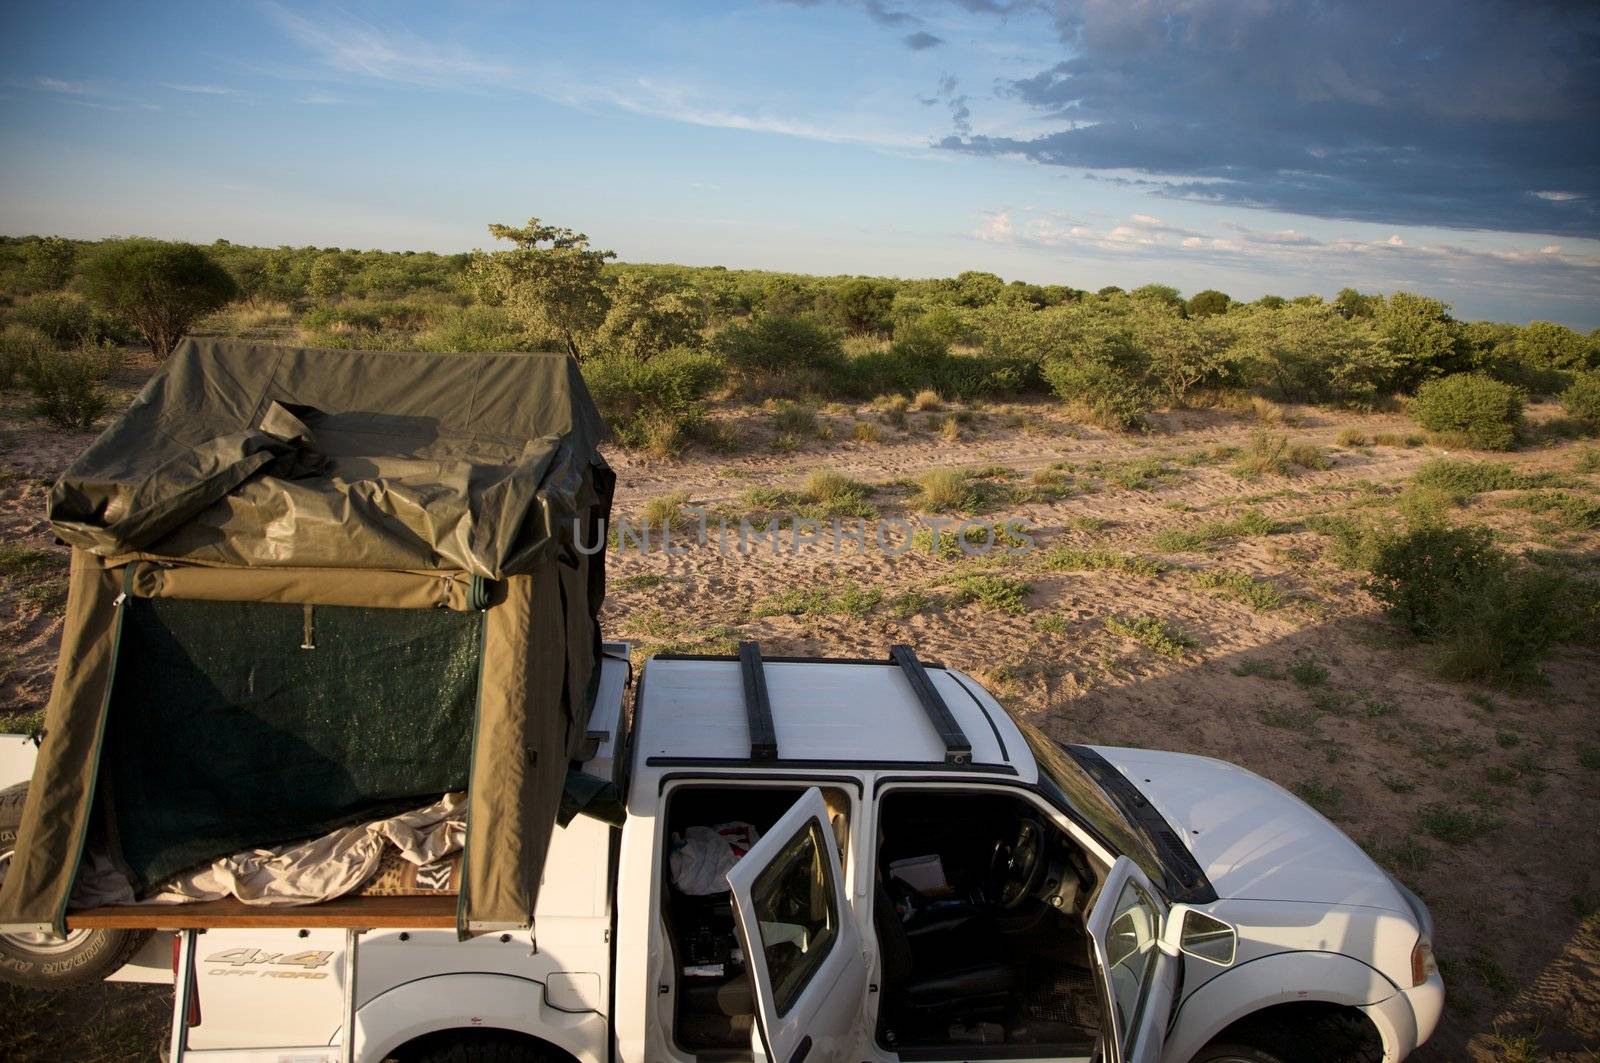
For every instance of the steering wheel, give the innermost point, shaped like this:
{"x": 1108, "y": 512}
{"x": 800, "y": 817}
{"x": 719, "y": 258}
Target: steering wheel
{"x": 1015, "y": 865}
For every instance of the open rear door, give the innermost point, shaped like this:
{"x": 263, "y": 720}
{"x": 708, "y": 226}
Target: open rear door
{"x": 800, "y": 939}
{"x": 1136, "y": 977}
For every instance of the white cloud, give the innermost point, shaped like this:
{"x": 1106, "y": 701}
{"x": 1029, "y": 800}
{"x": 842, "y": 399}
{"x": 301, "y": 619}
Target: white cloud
{"x": 201, "y": 90}
{"x": 355, "y": 47}
{"x": 1558, "y": 197}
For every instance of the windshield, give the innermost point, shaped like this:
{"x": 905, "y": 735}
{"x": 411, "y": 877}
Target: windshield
{"x": 1080, "y": 792}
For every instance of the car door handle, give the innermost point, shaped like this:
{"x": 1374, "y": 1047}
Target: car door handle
{"x": 802, "y": 1050}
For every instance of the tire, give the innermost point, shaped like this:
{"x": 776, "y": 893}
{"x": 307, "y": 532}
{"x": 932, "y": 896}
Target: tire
{"x": 483, "y": 1046}
{"x": 1230, "y": 1053}
{"x": 44, "y": 961}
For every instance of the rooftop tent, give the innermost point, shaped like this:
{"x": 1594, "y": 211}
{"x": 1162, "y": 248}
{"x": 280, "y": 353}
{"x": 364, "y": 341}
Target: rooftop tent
{"x": 309, "y": 587}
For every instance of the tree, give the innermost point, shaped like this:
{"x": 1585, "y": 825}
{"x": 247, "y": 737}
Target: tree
{"x": 47, "y": 263}
{"x": 648, "y": 316}
{"x": 554, "y": 288}
{"x": 1423, "y": 336}
{"x": 860, "y": 305}
{"x": 327, "y": 276}
{"x": 1163, "y": 294}
{"x": 158, "y": 287}
{"x": 1183, "y": 355}
{"x": 1208, "y": 302}
{"x": 977, "y": 288}
{"x": 1547, "y": 345}
{"x": 1351, "y": 304}
{"x": 1272, "y": 302}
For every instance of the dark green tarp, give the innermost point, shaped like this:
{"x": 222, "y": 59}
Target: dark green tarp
{"x": 436, "y": 517}
{"x": 243, "y": 454}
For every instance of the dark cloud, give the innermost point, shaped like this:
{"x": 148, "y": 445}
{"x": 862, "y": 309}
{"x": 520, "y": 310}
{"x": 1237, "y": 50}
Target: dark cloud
{"x": 921, "y": 41}
{"x": 1475, "y": 114}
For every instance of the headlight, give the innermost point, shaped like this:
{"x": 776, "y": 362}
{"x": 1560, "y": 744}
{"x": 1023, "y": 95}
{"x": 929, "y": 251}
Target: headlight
{"x": 1423, "y": 966}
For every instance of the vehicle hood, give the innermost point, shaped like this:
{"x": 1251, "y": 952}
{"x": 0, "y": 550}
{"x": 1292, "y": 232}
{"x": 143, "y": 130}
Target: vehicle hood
{"x": 1254, "y": 839}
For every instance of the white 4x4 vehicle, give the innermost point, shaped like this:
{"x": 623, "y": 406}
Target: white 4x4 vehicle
{"x": 922, "y": 877}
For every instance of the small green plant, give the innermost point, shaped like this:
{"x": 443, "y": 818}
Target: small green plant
{"x": 21, "y": 346}
{"x": 831, "y": 494}
{"x": 1578, "y": 512}
{"x": 1455, "y": 824}
{"x": 1052, "y": 624}
{"x": 1257, "y": 594}
{"x": 1307, "y": 674}
{"x": 1289, "y": 718}
{"x": 1475, "y": 408}
{"x": 665, "y": 511}
{"x": 866, "y": 432}
{"x": 1352, "y": 437}
{"x": 1249, "y": 523}
{"x": 927, "y": 399}
{"x": 904, "y": 606}
{"x": 1271, "y": 454}
{"x": 1462, "y": 478}
{"x": 1072, "y": 559}
{"x": 1157, "y": 634}
{"x": 1257, "y": 666}
{"x": 820, "y": 601}
{"x": 1004, "y": 594}
{"x": 792, "y": 418}
{"x": 945, "y": 491}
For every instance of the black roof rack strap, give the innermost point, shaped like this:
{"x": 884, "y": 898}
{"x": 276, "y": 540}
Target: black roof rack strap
{"x": 757, "y": 706}
{"x": 957, "y": 750}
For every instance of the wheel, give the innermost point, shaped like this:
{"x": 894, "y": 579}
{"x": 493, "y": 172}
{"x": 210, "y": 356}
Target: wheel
{"x": 483, "y": 1046}
{"x": 1235, "y": 1054}
{"x": 45, "y": 961}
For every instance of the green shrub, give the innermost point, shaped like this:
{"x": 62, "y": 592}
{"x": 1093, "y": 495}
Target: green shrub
{"x": 475, "y": 328}
{"x": 1423, "y": 573}
{"x": 20, "y": 347}
{"x": 1005, "y": 594}
{"x": 68, "y": 320}
{"x": 944, "y": 491}
{"x": 1473, "y": 407}
{"x": 1581, "y": 400}
{"x": 1461, "y": 478}
{"x": 776, "y": 343}
{"x": 655, "y": 403}
{"x": 1100, "y": 392}
{"x": 1154, "y": 632}
{"x": 67, "y": 386}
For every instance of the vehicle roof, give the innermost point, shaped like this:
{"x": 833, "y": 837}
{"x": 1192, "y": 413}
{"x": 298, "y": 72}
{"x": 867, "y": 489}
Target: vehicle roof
{"x": 843, "y": 712}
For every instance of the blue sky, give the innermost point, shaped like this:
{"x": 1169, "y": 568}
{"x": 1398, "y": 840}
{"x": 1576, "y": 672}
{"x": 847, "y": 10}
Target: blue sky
{"x": 1272, "y": 146}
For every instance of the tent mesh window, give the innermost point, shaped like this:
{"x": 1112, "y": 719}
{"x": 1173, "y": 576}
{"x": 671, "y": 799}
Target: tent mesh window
{"x": 234, "y": 725}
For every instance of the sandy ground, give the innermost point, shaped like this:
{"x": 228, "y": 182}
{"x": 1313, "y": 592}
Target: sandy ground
{"x": 1361, "y": 726}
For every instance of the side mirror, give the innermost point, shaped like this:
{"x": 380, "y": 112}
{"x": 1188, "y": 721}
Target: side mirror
{"x": 1205, "y": 937}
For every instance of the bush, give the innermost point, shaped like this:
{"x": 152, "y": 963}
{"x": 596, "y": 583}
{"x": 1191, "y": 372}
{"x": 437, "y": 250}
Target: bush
{"x": 776, "y": 343}
{"x": 1421, "y": 574}
{"x": 20, "y": 347}
{"x": 654, "y": 403}
{"x": 158, "y": 287}
{"x": 475, "y": 328}
{"x": 66, "y": 386}
{"x": 1484, "y": 412}
{"x": 68, "y": 320}
{"x": 1100, "y": 392}
{"x": 1581, "y": 400}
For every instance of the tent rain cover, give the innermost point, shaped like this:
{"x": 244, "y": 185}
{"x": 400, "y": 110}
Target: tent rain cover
{"x": 310, "y": 588}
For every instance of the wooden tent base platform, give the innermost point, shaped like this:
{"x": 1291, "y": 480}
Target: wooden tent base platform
{"x": 406, "y": 913}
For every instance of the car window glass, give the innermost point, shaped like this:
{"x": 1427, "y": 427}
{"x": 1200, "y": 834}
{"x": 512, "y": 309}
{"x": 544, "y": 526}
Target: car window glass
{"x": 1131, "y": 951}
{"x": 797, "y": 914}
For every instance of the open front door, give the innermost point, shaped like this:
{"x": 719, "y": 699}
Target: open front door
{"x": 1136, "y": 976}
{"x": 800, "y": 939}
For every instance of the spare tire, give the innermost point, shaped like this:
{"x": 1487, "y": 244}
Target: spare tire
{"x": 46, "y": 961}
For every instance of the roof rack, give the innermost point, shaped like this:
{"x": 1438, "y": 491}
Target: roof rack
{"x": 957, "y": 749}
{"x": 757, "y": 706}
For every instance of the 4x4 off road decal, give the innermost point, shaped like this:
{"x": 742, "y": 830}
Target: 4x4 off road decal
{"x": 255, "y": 961}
